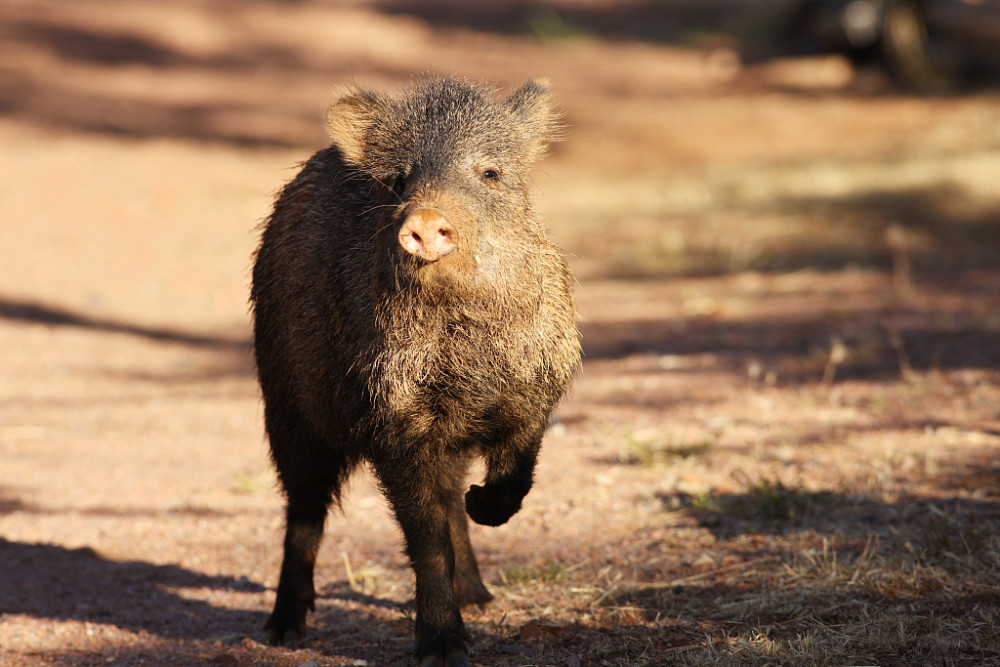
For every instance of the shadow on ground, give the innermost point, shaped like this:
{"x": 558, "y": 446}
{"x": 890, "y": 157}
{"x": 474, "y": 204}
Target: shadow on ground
{"x": 20, "y": 310}
{"x": 52, "y": 582}
{"x": 683, "y": 23}
{"x": 935, "y": 231}
{"x": 49, "y": 581}
{"x": 831, "y": 578}
{"x": 53, "y": 97}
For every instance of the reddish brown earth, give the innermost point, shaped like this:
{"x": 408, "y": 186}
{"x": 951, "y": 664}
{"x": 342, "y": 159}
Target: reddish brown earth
{"x": 788, "y": 419}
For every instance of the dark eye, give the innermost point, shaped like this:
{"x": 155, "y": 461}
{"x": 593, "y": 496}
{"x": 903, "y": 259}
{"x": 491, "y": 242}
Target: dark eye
{"x": 399, "y": 184}
{"x": 490, "y": 175}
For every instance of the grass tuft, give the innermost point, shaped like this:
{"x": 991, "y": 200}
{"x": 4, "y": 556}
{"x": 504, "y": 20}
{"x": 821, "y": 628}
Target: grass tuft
{"x": 646, "y": 451}
{"x": 547, "y": 572}
{"x": 764, "y": 501}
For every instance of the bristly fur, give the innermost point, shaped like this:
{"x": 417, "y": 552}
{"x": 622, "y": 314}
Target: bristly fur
{"x": 367, "y": 353}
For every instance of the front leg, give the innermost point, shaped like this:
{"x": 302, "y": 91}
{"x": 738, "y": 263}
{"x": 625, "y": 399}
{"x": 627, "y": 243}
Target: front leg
{"x": 510, "y": 471}
{"x": 421, "y": 494}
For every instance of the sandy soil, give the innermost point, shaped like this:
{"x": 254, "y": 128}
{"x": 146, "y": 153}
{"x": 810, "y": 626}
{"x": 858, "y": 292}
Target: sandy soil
{"x": 784, "y": 276}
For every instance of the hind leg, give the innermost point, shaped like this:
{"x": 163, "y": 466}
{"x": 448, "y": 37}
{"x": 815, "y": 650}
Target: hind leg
{"x": 468, "y": 584}
{"x": 311, "y": 475}
{"x": 296, "y": 591}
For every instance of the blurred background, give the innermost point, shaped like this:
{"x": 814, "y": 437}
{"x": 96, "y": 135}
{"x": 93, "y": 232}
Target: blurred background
{"x": 784, "y": 216}
{"x": 705, "y": 137}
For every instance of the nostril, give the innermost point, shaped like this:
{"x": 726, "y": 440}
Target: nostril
{"x": 427, "y": 234}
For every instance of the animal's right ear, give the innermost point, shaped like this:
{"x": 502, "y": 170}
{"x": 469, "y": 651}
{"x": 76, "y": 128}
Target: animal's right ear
{"x": 348, "y": 122}
{"x": 532, "y": 104}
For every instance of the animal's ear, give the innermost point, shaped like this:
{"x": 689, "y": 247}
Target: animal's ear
{"x": 349, "y": 120}
{"x": 532, "y": 104}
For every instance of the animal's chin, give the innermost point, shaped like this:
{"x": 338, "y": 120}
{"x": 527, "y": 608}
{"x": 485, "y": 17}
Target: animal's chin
{"x": 453, "y": 272}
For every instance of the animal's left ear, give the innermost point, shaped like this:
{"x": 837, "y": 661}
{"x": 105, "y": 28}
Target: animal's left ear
{"x": 532, "y": 105}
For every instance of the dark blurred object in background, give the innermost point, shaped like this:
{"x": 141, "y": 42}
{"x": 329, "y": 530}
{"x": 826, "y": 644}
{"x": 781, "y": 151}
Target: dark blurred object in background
{"x": 930, "y": 45}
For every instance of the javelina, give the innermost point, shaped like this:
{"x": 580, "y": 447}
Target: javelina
{"x": 410, "y": 313}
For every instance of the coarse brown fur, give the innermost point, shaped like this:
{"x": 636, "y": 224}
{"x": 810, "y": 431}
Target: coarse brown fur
{"x": 366, "y": 353}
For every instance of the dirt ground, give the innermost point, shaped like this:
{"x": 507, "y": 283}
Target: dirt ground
{"x": 783, "y": 447}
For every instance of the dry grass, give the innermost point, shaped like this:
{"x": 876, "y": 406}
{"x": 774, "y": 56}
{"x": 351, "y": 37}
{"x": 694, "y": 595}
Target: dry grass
{"x": 917, "y": 590}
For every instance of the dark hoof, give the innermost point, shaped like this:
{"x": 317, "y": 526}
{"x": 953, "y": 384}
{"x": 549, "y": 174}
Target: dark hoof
{"x": 288, "y": 639}
{"x": 454, "y": 658}
{"x": 490, "y": 507}
{"x": 278, "y": 634}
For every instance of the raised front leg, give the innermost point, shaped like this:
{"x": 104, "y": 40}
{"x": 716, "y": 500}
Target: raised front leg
{"x": 510, "y": 470}
{"x": 421, "y": 499}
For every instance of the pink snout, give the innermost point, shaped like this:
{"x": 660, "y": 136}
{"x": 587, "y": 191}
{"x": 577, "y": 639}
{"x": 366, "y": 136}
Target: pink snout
{"x": 427, "y": 234}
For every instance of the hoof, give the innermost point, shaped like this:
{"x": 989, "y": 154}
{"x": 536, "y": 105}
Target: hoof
{"x": 289, "y": 639}
{"x": 490, "y": 506}
{"x": 279, "y": 636}
{"x": 454, "y": 658}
